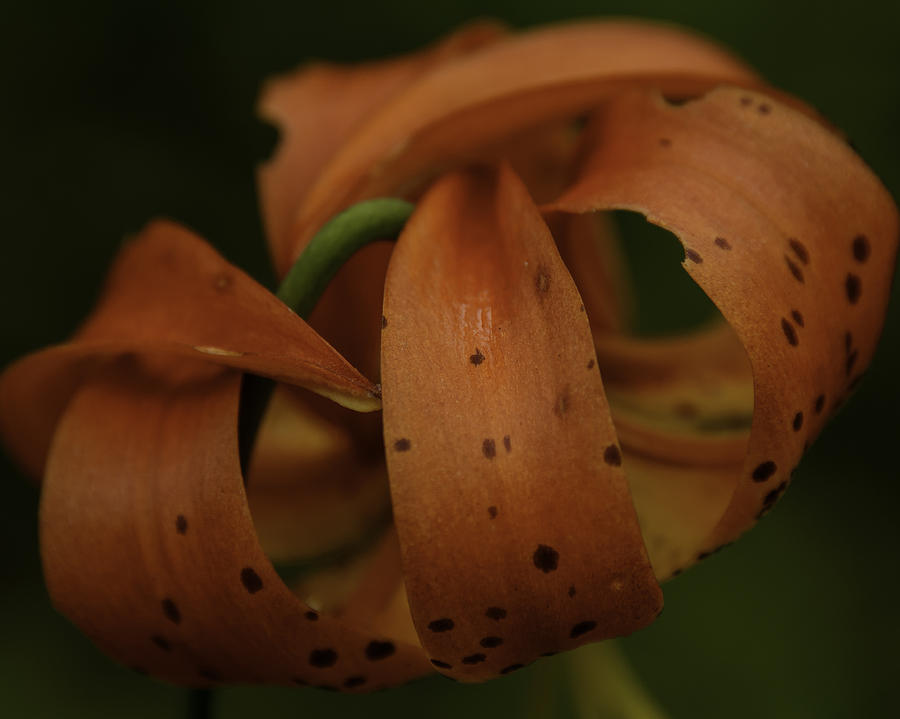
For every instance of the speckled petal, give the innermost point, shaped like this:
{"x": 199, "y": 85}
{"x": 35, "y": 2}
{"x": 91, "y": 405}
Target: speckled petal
{"x": 788, "y": 232}
{"x": 517, "y": 531}
{"x": 149, "y": 548}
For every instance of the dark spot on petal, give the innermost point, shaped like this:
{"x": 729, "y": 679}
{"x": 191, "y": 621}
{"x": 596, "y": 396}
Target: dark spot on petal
{"x": 665, "y": 142}
{"x": 612, "y": 456}
{"x": 853, "y": 285}
{"x": 799, "y": 250}
{"x": 376, "y": 650}
{"x": 798, "y": 318}
{"x": 851, "y": 360}
{"x": 477, "y": 358}
{"x": 770, "y": 499}
{"x": 511, "y": 668}
{"x": 251, "y": 581}
{"x": 542, "y": 281}
{"x": 402, "y": 445}
{"x": 561, "y": 406}
{"x": 590, "y": 364}
{"x": 441, "y": 625}
{"x": 441, "y": 665}
{"x": 820, "y": 403}
{"x": 764, "y": 471}
{"x": 489, "y": 449}
{"x": 492, "y": 511}
{"x": 795, "y": 271}
{"x": 170, "y": 609}
{"x": 572, "y": 591}
{"x": 507, "y": 443}
{"x": 491, "y": 642}
{"x": 383, "y": 322}
{"x": 161, "y": 642}
{"x": 764, "y": 109}
{"x": 860, "y": 248}
{"x": 209, "y": 674}
{"x": 354, "y": 681}
{"x": 798, "y": 421}
{"x": 582, "y": 628}
{"x": 312, "y": 616}
{"x": 181, "y": 524}
{"x": 323, "y": 658}
{"x": 546, "y": 558}
{"x": 495, "y": 613}
{"x": 789, "y": 332}
{"x": 693, "y": 256}
{"x": 746, "y": 100}
{"x": 474, "y": 658}
{"x": 723, "y": 243}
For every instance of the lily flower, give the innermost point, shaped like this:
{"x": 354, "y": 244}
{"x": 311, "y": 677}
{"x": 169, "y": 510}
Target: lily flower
{"x": 535, "y": 470}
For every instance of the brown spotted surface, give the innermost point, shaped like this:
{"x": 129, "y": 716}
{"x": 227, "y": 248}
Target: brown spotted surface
{"x": 188, "y": 593}
{"x": 545, "y": 470}
{"x": 790, "y": 235}
{"x": 501, "y": 469}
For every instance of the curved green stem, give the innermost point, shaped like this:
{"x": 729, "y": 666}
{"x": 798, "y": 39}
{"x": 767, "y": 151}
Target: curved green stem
{"x": 335, "y": 243}
{"x": 605, "y": 687}
{"x": 331, "y": 247}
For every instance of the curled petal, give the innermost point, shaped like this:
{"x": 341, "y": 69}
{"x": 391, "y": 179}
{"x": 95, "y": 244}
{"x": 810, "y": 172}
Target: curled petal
{"x": 517, "y": 531}
{"x": 521, "y": 83}
{"x": 787, "y": 231}
{"x": 170, "y": 293}
{"x": 317, "y": 107}
{"x": 149, "y": 548}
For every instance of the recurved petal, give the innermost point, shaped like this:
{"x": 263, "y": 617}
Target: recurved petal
{"x": 171, "y": 293}
{"x": 148, "y": 545}
{"x": 317, "y": 107}
{"x": 788, "y": 232}
{"x": 517, "y": 531}
{"x": 524, "y": 82}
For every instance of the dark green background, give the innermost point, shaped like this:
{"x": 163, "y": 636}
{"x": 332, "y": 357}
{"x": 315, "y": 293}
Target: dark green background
{"x": 116, "y": 112}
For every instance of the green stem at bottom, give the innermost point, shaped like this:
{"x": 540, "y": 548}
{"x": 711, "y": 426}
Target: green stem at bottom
{"x": 604, "y": 686}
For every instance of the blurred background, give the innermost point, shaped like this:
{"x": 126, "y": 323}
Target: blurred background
{"x": 116, "y": 112}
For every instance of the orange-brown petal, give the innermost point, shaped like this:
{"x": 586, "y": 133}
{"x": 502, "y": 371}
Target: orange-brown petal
{"x": 524, "y": 82}
{"x": 517, "y": 531}
{"x": 787, "y": 231}
{"x": 171, "y": 293}
{"x": 318, "y": 107}
{"x": 149, "y": 548}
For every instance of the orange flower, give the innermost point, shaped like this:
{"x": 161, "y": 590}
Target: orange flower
{"x": 537, "y": 501}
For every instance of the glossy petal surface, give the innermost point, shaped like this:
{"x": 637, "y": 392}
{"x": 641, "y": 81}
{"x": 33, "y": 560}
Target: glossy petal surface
{"x": 516, "y": 528}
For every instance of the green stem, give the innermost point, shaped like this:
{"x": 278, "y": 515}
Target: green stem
{"x": 605, "y": 687}
{"x": 335, "y": 243}
{"x": 331, "y": 247}
{"x": 200, "y": 703}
